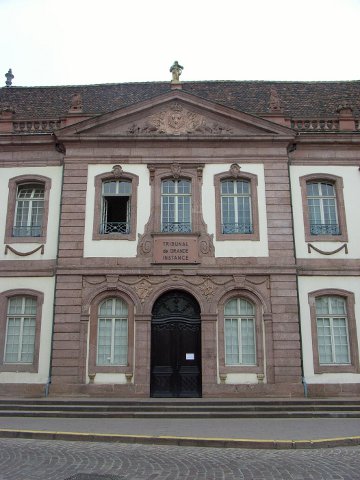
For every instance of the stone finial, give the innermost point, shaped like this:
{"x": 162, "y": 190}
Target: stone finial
{"x": 344, "y": 106}
{"x": 275, "y": 102}
{"x": 9, "y": 77}
{"x": 76, "y": 103}
{"x": 346, "y": 117}
{"x": 176, "y": 71}
{"x": 7, "y": 108}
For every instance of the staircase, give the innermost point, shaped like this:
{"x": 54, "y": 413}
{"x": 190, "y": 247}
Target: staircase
{"x": 180, "y": 408}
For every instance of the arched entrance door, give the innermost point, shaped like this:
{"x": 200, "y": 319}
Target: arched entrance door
{"x": 176, "y": 346}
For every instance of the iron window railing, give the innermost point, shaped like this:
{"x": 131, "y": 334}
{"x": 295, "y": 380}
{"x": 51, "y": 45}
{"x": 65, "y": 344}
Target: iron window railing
{"x": 115, "y": 227}
{"x": 237, "y": 228}
{"x": 324, "y": 229}
{"x": 27, "y": 231}
{"x": 182, "y": 227}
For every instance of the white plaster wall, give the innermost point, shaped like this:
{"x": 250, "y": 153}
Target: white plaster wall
{"x": 45, "y": 285}
{"x": 310, "y": 284}
{"x": 110, "y": 378}
{"x": 118, "y": 247}
{"x": 50, "y": 251}
{"x": 241, "y": 379}
{"x": 232, "y": 248}
{"x": 351, "y": 179}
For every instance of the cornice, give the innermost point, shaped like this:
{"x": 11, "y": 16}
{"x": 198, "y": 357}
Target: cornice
{"x": 329, "y": 137}
{"x": 174, "y": 139}
{"x": 30, "y": 139}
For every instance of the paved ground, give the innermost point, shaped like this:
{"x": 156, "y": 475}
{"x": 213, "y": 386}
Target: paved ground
{"x": 57, "y": 460}
{"x": 257, "y": 428}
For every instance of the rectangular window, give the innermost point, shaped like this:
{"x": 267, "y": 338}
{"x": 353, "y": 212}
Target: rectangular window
{"x": 29, "y": 211}
{"x": 20, "y": 330}
{"x": 236, "y": 214}
{"x": 112, "y": 336}
{"x": 240, "y": 338}
{"x": 112, "y": 342}
{"x": 332, "y": 330}
{"x": 116, "y": 207}
{"x": 176, "y": 206}
{"x": 322, "y": 208}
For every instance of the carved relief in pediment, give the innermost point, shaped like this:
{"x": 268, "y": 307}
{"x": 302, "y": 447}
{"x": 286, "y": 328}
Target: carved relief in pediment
{"x": 176, "y": 119}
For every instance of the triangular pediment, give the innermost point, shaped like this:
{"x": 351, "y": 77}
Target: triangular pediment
{"x": 174, "y": 114}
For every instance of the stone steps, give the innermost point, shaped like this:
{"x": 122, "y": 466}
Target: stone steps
{"x": 179, "y": 408}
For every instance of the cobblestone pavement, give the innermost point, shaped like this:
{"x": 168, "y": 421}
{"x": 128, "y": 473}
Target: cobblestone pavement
{"x": 58, "y": 460}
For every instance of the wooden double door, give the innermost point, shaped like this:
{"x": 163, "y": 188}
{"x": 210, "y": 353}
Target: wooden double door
{"x": 176, "y": 346}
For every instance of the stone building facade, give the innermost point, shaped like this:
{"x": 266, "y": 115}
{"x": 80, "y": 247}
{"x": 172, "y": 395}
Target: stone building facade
{"x": 180, "y": 239}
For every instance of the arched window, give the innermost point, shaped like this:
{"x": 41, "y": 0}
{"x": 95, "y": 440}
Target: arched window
{"x": 20, "y": 330}
{"x": 240, "y": 336}
{"x": 323, "y": 208}
{"x": 20, "y": 325}
{"x": 29, "y": 210}
{"x": 112, "y": 336}
{"x": 111, "y": 332}
{"x": 333, "y": 328}
{"x": 115, "y": 206}
{"x": 176, "y": 206}
{"x": 28, "y": 206}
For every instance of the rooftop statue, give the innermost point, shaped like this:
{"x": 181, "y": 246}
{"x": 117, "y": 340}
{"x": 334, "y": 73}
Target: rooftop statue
{"x": 176, "y": 71}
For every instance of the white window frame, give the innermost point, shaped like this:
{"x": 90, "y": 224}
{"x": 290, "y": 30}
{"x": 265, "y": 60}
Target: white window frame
{"x": 240, "y": 318}
{"x": 26, "y": 221}
{"x": 174, "y": 225}
{"x": 239, "y": 227}
{"x": 333, "y": 227}
{"x": 120, "y": 229}
{"x": 22, "y": 316}
{"x": 331, "y": 317}
{"x": 113, "y": 318}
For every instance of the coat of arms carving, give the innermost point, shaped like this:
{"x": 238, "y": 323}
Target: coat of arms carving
{"x": 177, "y": 120}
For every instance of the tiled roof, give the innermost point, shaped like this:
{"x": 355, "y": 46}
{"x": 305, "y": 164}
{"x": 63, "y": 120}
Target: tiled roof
{"x": 299, "y": 99}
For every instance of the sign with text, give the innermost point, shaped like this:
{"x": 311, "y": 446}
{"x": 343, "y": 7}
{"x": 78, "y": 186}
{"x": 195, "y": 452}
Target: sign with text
{"x": 175, "y": 249}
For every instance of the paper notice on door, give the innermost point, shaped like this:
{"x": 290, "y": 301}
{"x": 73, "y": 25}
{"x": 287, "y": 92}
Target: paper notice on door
{"x": 190, "y": 356}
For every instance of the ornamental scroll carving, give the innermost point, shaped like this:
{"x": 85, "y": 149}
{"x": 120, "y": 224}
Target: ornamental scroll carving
{"x": 178, "y": 120}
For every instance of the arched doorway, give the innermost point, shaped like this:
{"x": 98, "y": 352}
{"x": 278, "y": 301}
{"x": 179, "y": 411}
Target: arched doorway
{"x": 175, "y": 346}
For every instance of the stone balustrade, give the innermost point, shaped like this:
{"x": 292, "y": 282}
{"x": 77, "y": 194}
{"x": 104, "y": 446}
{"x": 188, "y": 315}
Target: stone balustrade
{"x": 316, "y": 125}
{"x": 35, "y": 126}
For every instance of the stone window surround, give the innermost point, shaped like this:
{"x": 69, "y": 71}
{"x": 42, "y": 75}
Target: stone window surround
{"x": 10, "y": 218}
{"x": 353, "y": 367}
{"x": 189, "y": 172}
{"x": 340, "y": 205}
{"x": 253, "y": 179}
{"x": 98, "y": 182}
{"x": 93, "y": 331}
{"x": 4, "y": 297}
{"x": 259, "y": 367}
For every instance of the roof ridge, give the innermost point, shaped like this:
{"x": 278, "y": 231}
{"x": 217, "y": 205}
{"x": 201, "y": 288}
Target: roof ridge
{"x": 164, "y": 82}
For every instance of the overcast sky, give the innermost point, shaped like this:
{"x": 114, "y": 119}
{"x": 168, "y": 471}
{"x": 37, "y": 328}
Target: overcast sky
{"x": 72, "y": 42}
